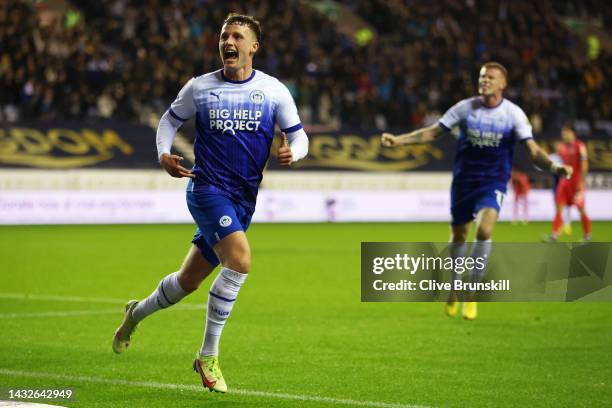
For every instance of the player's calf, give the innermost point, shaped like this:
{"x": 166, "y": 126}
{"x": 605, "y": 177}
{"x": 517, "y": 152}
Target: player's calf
{"x": 167, "y": 293}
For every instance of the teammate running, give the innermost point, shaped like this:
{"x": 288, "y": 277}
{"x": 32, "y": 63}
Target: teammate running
{"x": 489, "y": 127}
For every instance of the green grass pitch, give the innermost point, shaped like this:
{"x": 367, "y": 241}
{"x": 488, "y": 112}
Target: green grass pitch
{"x": 299, "y": 335}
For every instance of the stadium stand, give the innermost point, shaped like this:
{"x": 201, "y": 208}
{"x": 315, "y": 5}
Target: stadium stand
{"x": 127, "y": 59}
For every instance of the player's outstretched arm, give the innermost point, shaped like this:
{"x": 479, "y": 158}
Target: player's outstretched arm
{"x": 541, "y": 159}
{"x": 423, "y": 135}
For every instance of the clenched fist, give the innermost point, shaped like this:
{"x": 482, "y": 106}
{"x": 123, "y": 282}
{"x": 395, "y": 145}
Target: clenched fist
{"x": 285, "y": 156}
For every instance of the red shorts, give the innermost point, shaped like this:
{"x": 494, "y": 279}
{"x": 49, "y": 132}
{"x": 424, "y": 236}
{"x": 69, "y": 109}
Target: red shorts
{"x": 520, "y": 191}
{"x": 520, "y": 184}
{"x": 568, "y": 193}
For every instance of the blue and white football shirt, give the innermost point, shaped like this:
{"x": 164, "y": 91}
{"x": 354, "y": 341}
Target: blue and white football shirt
{"x": 486, "y": 141}
{"x": 235, "y": 127}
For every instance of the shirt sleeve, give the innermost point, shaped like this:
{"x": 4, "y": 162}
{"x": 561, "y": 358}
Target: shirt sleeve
{"x": 455, "y": 114}
{"x": 522, "y": 127}
{"x": 287, "y": 117}
{"x": 166, "y": 132}
{"x": 183, "y": 106}
{"x": 298, "y": 142}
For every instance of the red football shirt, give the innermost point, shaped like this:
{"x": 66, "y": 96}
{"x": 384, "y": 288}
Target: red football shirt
{"x": 571, "y": 156}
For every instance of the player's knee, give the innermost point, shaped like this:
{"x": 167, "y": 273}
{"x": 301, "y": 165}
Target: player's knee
{"x": 484, "y": 232}
{"x": 241, "y": 263}
{"x": 458, "y": 239}
{"x": 459, "y": 236}
{"x": 238, "y": 259}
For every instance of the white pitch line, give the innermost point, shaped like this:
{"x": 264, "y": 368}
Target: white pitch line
{"x": 27, "y": 296}
{"x": 67, "y": 313}
{"x": 70, "y": 313}
{"x": 183, "y": 387}
{"x": 55, "y": 298}
{"x": 17, "y": 404}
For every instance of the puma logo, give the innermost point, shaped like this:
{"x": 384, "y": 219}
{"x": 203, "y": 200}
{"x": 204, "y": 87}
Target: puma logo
{"x": 218, "y": 95}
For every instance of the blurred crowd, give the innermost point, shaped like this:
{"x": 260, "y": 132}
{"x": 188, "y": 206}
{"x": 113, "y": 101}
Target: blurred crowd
{"x": 427, "y": 55}
{"x": 127, "y": 59}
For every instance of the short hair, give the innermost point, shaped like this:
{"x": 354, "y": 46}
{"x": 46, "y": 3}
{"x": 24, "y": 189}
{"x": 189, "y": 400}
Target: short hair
{"x": 496, "y": 65}
{"x": 242, "y": 19}
{"x": 568, "y": 124}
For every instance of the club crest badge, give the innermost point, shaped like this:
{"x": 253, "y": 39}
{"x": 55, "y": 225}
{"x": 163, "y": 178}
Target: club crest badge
{"x": 257, "y": 97}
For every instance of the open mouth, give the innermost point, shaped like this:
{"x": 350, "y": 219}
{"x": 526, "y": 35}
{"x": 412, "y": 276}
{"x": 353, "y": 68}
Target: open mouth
{"x": 230, "y": 54}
